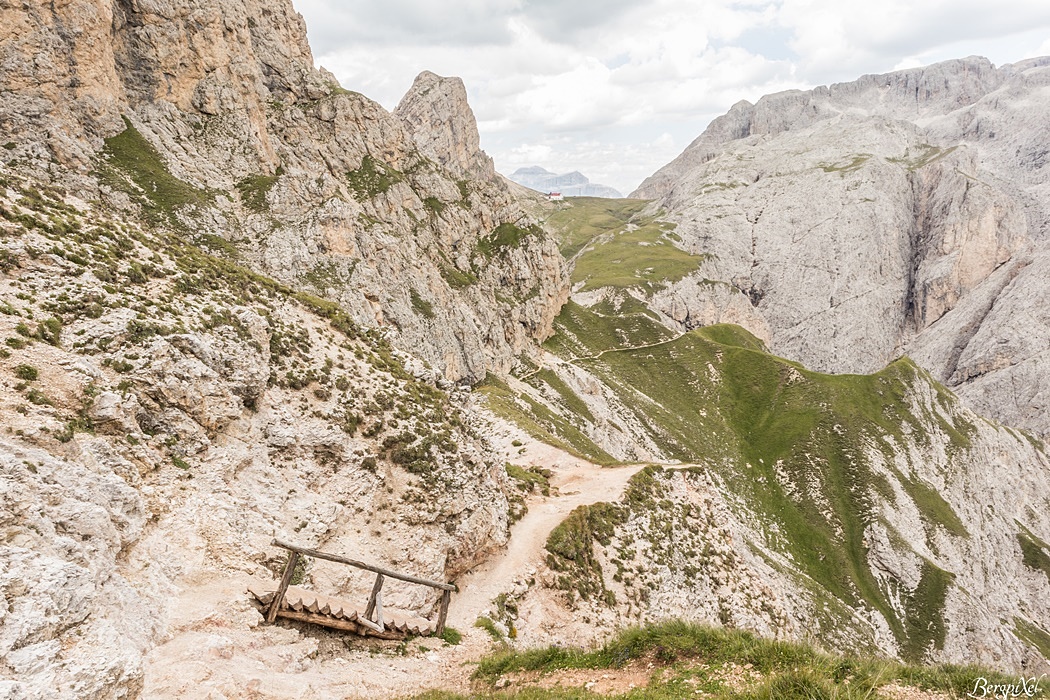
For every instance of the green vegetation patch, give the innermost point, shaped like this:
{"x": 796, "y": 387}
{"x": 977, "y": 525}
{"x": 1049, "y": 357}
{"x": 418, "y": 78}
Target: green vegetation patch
{"x": 489, "y": 626}
{"x": 582, "y": 332}
{"x": 434, "y": 205}
{"x": 1034, "y": 635}
{"x": 456, "y": 278}
{"x": 924, "y": 155}
{"x": 129, "y": 163}
{"x": 505, "y": 237}
{"x": 527, "y": 480}
{"x": 1035, "y": 553}
{"x": 684, "y": 652}
{"x": 794, "y": 442}
{"x": 613, "y": 245}
{"x": 420, "y": 305}
{"x": 566, "y": 396}
{"x": 643, "y": 257}
{"x": 531, "y": 478}
{"x": 451, "y": 636}
{"x": 539, "y": 421}
{"x": 855, "y": 162}
{"x": 925, "y": 628}
{"x": 933, "y": 505}
{"x": 253, "y": 190}
{"x": 582, "y": 219}
{"x": 372, "y": 178}
{"x": 570, "y": 548}
{"x": 798, "y": 452}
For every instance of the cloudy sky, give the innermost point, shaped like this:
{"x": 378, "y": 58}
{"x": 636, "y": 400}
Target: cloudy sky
{"x": 616, "y": 88}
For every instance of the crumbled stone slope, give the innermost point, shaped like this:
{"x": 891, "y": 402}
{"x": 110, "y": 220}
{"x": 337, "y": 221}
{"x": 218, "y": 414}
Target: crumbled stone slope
{"x": 164, "y": 413}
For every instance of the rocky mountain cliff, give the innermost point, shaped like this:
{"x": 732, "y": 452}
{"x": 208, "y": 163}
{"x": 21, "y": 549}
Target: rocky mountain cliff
{"x": 176, "y": 179}
{"x": 901, "y": 213}
{"x": 165, "y": 413}
{"x": 213, "y": 116}
{"x": 236, "y": 300}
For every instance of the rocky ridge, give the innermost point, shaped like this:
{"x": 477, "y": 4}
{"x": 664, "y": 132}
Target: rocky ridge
{"x": 928, "y": 236}
{"x": 313, "y": 184}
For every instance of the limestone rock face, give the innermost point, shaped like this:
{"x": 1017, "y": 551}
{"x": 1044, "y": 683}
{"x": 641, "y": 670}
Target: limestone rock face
{"x": 902, "y": 213}
{"x": 167, "y": 431}
{"x": 435, "y": 111}
{"x": 313, "y": 184}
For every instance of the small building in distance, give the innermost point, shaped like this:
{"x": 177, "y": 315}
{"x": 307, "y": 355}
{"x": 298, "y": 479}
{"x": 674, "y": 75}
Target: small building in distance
{"x": 555, "y": 196}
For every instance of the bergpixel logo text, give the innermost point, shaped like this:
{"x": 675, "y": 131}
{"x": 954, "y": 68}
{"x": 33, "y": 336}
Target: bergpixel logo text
{"x": 1023, "y": 688}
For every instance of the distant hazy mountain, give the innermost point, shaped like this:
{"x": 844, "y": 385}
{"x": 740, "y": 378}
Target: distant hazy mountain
{"x": 574, "y": 184}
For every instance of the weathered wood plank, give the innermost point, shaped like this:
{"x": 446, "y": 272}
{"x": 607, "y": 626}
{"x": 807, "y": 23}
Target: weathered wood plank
{"x": 376, "y": 587}
{"x": 446, "y": 598}
{"x": 260, "y": 593}
{"x": 379, "y": 609}
{"x": 338, "y": 624}
{"x": 368, "y": 624}
{"x": 286, "y": 580}
{"x": 361, "y": 565}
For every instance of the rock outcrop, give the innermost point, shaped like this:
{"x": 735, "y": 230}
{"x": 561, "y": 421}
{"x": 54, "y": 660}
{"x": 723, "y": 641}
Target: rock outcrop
{"x": 165, "y": 414}
{"x": 313, "y": 184}
{"x": 902, "y": 213}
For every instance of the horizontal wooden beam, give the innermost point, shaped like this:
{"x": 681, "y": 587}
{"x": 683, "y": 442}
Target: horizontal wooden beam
{"x": 370, "y": 630}
{"x": 361, "y": 565}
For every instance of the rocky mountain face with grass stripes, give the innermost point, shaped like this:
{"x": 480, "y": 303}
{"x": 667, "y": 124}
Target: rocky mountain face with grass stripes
{"x": 212, "y": 118}
{"x": 238, "y": 301}
{"x": 899, "y": 214}
{"x": 211, "y": 259}
{"x": 828, "y": 321}
{"x": 165, "y": 412}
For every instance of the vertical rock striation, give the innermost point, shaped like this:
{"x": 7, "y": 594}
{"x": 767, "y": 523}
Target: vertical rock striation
{"x": 899, "y": 213}
{"x": 313, "y": 184}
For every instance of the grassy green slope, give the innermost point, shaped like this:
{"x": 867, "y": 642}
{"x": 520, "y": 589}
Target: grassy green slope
{"x": 614, "y": 245}
{"x": 794, "y": 446}
{"x": 791, "y": 442}
{"x": 687, "y": 660}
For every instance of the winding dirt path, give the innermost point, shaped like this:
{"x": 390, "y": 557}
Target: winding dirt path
{"x": 217, "y": 647}
{"x": 576, "y": 359}
{"x": 581, "y": 484}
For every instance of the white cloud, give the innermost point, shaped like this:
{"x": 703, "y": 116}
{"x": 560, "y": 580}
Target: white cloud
{"x": 591, "y": 85}
{"x": 844, "y": 39}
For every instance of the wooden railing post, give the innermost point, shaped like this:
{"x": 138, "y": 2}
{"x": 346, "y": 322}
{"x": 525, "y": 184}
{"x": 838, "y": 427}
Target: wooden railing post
{"x": 278, "y": 597}
{"x": 446, "y": 597}
{"x": 375, "y": 598}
